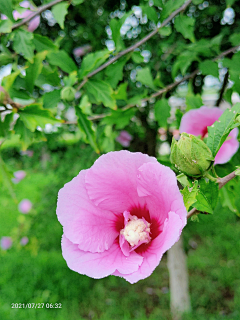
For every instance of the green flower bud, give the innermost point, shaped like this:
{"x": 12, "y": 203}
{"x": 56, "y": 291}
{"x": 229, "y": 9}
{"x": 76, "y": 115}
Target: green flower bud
{"x": 68, "y": 94}
{"x": 191, "y": 155}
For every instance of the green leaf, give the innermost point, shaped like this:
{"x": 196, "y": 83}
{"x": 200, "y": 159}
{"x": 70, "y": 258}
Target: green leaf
{"x": 165, "y": 31}
{"x": 185, "y": 25}
{"x": 150, "y": 12}
{"x": 62, "y": 60}
{"x": 120, "y": 118}
{"x": 114, "y": 72}
{"x": 190, "y": 195}
{"x": 137, "y": 57}
{"x": 162, "y": 112}
{"x": 59, "y": 12}
{"x": 169, "y": 7}
{"x": 234, "y": 70}
{"x": 33, "y": 116}
{"x": 230, "y": 2}
{"x": 85, "y": 105}
{"x": 115, "y": 26}
{"x": 184, "y": 60}
{"x": 178, "y": 115}
{"x": 158, "y": 3}
{"x": 184, "y": 180}
{"x": 23, "y": 43}
{"x": 220, "y": 130}
{"x": 235, "y": 39}
{"x": 5, "y": 125}
{"x": 102, "y": 92}
{"x": 51, "y": 99}
{"x": 237, "y": 171}
{"x": 85, "y": 126}
{"x": 209, "y": 67}
{"x": 92, "y": 61}
{"x": 6, "y": 8}
{"x": 5, "y": 178}
{"x": 42, "y": 43}
{"x": 193, "y": 101}
{"x": 5, "y": 59}
{"x": 6, "y": 26}
{"x": 121, "y": 92}
{"x": 207, "y": 197}
{"x": 8, "y": 81}
{"x": 76, "y": 2}
{"x": 145, "y": 77}
{"x": 33, "y": 70}
{"x": 48, "y": 75}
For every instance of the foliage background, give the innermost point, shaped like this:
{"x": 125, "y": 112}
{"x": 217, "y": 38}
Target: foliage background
{"x": 37, "y": 272}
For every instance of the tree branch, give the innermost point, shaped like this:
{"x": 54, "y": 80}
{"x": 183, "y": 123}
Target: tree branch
{"x": 135, "y": 46}
{"x": 221, "y": 92}
{"x": 221, "y": 183}
{"x": 36, "y": 13}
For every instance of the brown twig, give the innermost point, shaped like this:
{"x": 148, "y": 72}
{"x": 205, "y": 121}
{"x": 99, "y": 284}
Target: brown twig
{"x": 135, "y": 46}
{"x": 221, "y": 92}
{"x": 221, "y": 183}
{"x": 36, "y": 13}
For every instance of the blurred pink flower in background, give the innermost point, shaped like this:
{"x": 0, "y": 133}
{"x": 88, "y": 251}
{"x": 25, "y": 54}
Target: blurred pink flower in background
{"x": 81, "y": 51}
{"x": 2, "y": 89}
{"x": 196, "y": 122}
{"x": 6, "y": 243}
{"x": 19, "y": 175}
{"x": 124, "y": 138}
{"x": 33, "y": 23}
{"x": 24, "y": 241}
{"x": 120, "y": 216}
{"x": 27, "y": 153}
{"x": 25, "y": 206}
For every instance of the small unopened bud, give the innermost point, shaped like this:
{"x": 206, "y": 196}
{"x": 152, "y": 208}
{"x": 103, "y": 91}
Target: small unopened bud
{"x": 68, "y": 93}
{"x": 191, "y": 155}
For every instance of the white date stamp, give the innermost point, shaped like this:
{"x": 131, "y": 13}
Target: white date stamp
{"x": 33, "y": 305}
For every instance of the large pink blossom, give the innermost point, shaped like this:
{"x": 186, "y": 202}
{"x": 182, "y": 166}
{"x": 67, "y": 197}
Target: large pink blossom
{"x": 196, "y": 122}
{"x": 120, "y": 216}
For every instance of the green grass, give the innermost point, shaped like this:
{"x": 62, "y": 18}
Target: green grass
{"x": 38, "y": 273}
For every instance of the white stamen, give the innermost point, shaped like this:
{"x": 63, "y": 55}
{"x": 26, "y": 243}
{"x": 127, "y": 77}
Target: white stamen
{"x": 136, "y": 231}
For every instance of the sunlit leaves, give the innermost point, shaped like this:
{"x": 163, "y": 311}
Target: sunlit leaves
{"x": 119, "y": 118}
{"x": 189, "y": 195}
{"x": 62, "y": 60}
{"x": 86, "y": 128}
{"x": 23, "y": 44}
{"x": 114, "y": 72}
{"x": 220, "y": 130}
{"x": 102, "y": 92}
{"x": 193, "y": 101}
{"x": 33, "y": 116}
{"x": 185, "y": 25}
{"x": 162, "y": 112}
{"x": 92, "y": 61}
{"x": 115, "y": 26}
{"x": 145, "y": 77}
{"x": 209, "y": 67}
{"x": 33, "y": 70}
{"x": 59, "y": 12}
{"x": 207, "y": 196}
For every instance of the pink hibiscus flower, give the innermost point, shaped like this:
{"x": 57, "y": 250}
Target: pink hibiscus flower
{"x": 25, "y": 206}
{"x": 196, "y": 122}
{"x": 120, "y": 216}
{"x": 33, "y": 23}
{"x": 124, "y": 138}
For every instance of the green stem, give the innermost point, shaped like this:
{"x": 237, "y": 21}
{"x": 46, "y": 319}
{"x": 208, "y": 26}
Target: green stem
{"x": 210, "y": 177}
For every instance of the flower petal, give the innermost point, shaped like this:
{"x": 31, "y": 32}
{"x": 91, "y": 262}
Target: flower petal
{"x": 83, "y": 223}
{"x": 99, "y": 265}
{"x": 151, "y": 258}
{"x": 195, "y": 121}
{"x": 112, "y": 181}
{"x": 227, "y": 150}
{"x": 34, "y": 23}
{"x": 158, "y": 185}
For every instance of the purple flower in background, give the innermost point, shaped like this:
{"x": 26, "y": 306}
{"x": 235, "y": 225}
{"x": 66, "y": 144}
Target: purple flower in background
{"x": 6, "y": 243}
{"x": 81, "y": 51}
{"x": 25, "y": 206}
{"x": 1, "y": 89}
{"x": 27, "y": 153}
{"x": 124, "y": 138}
{"x": 19, "y": 175}
{"x": 24, "y": 241}
{"x": 33, "y": 23}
